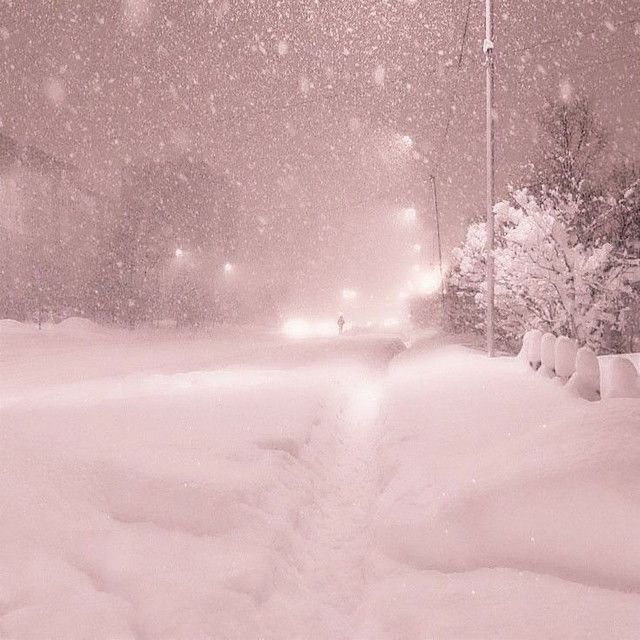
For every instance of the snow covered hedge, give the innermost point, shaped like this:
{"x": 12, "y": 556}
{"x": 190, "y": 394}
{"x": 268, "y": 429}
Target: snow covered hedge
{"x": 560, "y": 358}
{"x": 545, "y": 278}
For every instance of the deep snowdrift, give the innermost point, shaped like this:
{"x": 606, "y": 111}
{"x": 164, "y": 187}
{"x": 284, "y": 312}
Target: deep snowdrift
{"x": 242, "y": 486}
{"x": 485, "y": 468}
{"x": 155, "y": 515}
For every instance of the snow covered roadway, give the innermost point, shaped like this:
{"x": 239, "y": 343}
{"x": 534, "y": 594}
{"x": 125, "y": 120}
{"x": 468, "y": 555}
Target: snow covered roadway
{"x": 243, "y": 486}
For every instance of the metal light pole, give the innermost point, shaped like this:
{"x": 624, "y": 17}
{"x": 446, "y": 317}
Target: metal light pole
{"x": 488, "y": 51}
{"x": 437, "y": 211}
{"x": 421, "y": 154}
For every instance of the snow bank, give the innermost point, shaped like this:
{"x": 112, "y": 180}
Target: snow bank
{"x": 494, "y": 603}
{"x": 316, "y": 501}
{"x": 143, "y": 498}
{"x": 77, "y": 325}
{"x": 523, "y": 354}
{"x": 620, "y": 379}
{"x": 548, "y": 355}
{"x": 71, "y": 325}
{"x": 565, "y": 357}
{"x": 10, "y": 325}
{"x": 540, "y": 483}
{"x": 585, "y": 382}
{"x": 172, "y": 513}
{"x": 535, "y": 345}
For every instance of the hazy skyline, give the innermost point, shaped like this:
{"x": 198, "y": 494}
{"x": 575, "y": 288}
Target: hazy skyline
{"x": 301, "y": 103}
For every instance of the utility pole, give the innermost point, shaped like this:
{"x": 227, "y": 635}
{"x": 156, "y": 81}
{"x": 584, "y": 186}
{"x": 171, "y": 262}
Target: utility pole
{"x": 437, "y": 211}
{"x": 422, "y": 156}
{"x": 489, "y": 63}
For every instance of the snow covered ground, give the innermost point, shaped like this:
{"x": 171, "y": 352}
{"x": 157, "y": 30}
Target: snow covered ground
{"x": 240, "y": 485}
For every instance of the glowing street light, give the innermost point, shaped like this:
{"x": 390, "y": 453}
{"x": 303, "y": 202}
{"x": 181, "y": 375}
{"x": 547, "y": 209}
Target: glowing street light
{"x": 299, "y": 328}
{"x": 180, "y": 253}
{"x": 349, "y": 294}
{"x": 409, "y": 215}
{"x": 407, "y": 141}
{"x": 296, "y": 328}
{"x": 420, "y": 154}
{"x": 227, "y": 268}
{"x": 430, "y": 281}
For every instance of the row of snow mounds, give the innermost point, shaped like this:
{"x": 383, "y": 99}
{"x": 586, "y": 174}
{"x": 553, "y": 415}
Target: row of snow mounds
{"x": 553, "y": 357}
{"x": 579, "y": 368}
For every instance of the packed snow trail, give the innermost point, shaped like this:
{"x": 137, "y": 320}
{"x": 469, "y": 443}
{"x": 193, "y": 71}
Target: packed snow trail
{"x": 336, "y": 527}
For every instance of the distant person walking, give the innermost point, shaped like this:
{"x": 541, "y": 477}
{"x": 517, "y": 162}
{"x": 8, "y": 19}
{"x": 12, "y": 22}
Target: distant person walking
{"x": 341, "y": 323}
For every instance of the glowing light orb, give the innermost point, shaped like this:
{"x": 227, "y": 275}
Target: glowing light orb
{"x": 349, "y": 294}
{"x": 296, "y": 328}
{"x": 325, "y": 329}
{"x": 299, "y": 328}
{"x": 429, "y": 281}
{"x": 407, "y": 141}
{"x": 409, "y": 215}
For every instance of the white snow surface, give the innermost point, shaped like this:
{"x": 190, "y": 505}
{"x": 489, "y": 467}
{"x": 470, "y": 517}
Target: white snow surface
{"x": 534, "y": 345}
{"x": 620, "y": 378}
{"x": 237, "y": 485}
{"x": 565, "y": 357}
{"x": 548, "y": 354}
{"x": 586, "y": 381}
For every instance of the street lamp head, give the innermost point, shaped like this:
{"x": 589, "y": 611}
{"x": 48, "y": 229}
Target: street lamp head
{"x": 409, "y": 215}
{"x": 407, "y": 141}
{"x": 349, "y": 294}
{"x": 429, "y": 282}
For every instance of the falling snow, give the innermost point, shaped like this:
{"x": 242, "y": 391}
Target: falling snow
{"x": 245, "y": 291}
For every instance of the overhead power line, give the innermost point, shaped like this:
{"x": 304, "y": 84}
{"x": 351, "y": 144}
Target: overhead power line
{"x": 333, "y": 92}
{"x": 562, "y": 39}
{"x": 593, "y": 64}
{"x": 454, "y": 93}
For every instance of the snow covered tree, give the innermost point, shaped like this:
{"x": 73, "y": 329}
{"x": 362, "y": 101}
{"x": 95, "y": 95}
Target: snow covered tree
{"x": 570, "y": 160}
{"x": 466, "y": 283}
{"x": 618, "y": 210}
{"x": 545, "y": 277}
{"x": 167, "y": 206}
{"x": 571, "y": 143}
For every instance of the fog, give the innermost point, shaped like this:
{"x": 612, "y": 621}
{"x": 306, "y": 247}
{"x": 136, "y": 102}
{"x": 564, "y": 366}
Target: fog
{"x": 300, "y": 109}
{"x": 319, "y": 319}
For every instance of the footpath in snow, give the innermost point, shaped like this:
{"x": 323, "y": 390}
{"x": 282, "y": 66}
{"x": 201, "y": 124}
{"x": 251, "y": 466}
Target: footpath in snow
{"x": 154, "y": 488}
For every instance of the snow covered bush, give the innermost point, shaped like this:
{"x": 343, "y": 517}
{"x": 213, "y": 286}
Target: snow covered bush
{"x": 535, "y": 345}
{"x": 621, "y": 379}
{"x": 565, "y": 357}
{"x": 523, "y": 354}
{"x": 585, "y": 382}
{"x": 466, "y": 282}
{"x": 545, "y": 277}
{"x": 548, "y": 355}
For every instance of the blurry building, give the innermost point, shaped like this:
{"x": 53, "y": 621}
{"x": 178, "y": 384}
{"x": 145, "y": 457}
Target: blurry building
{"x": 48, "y": 231}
